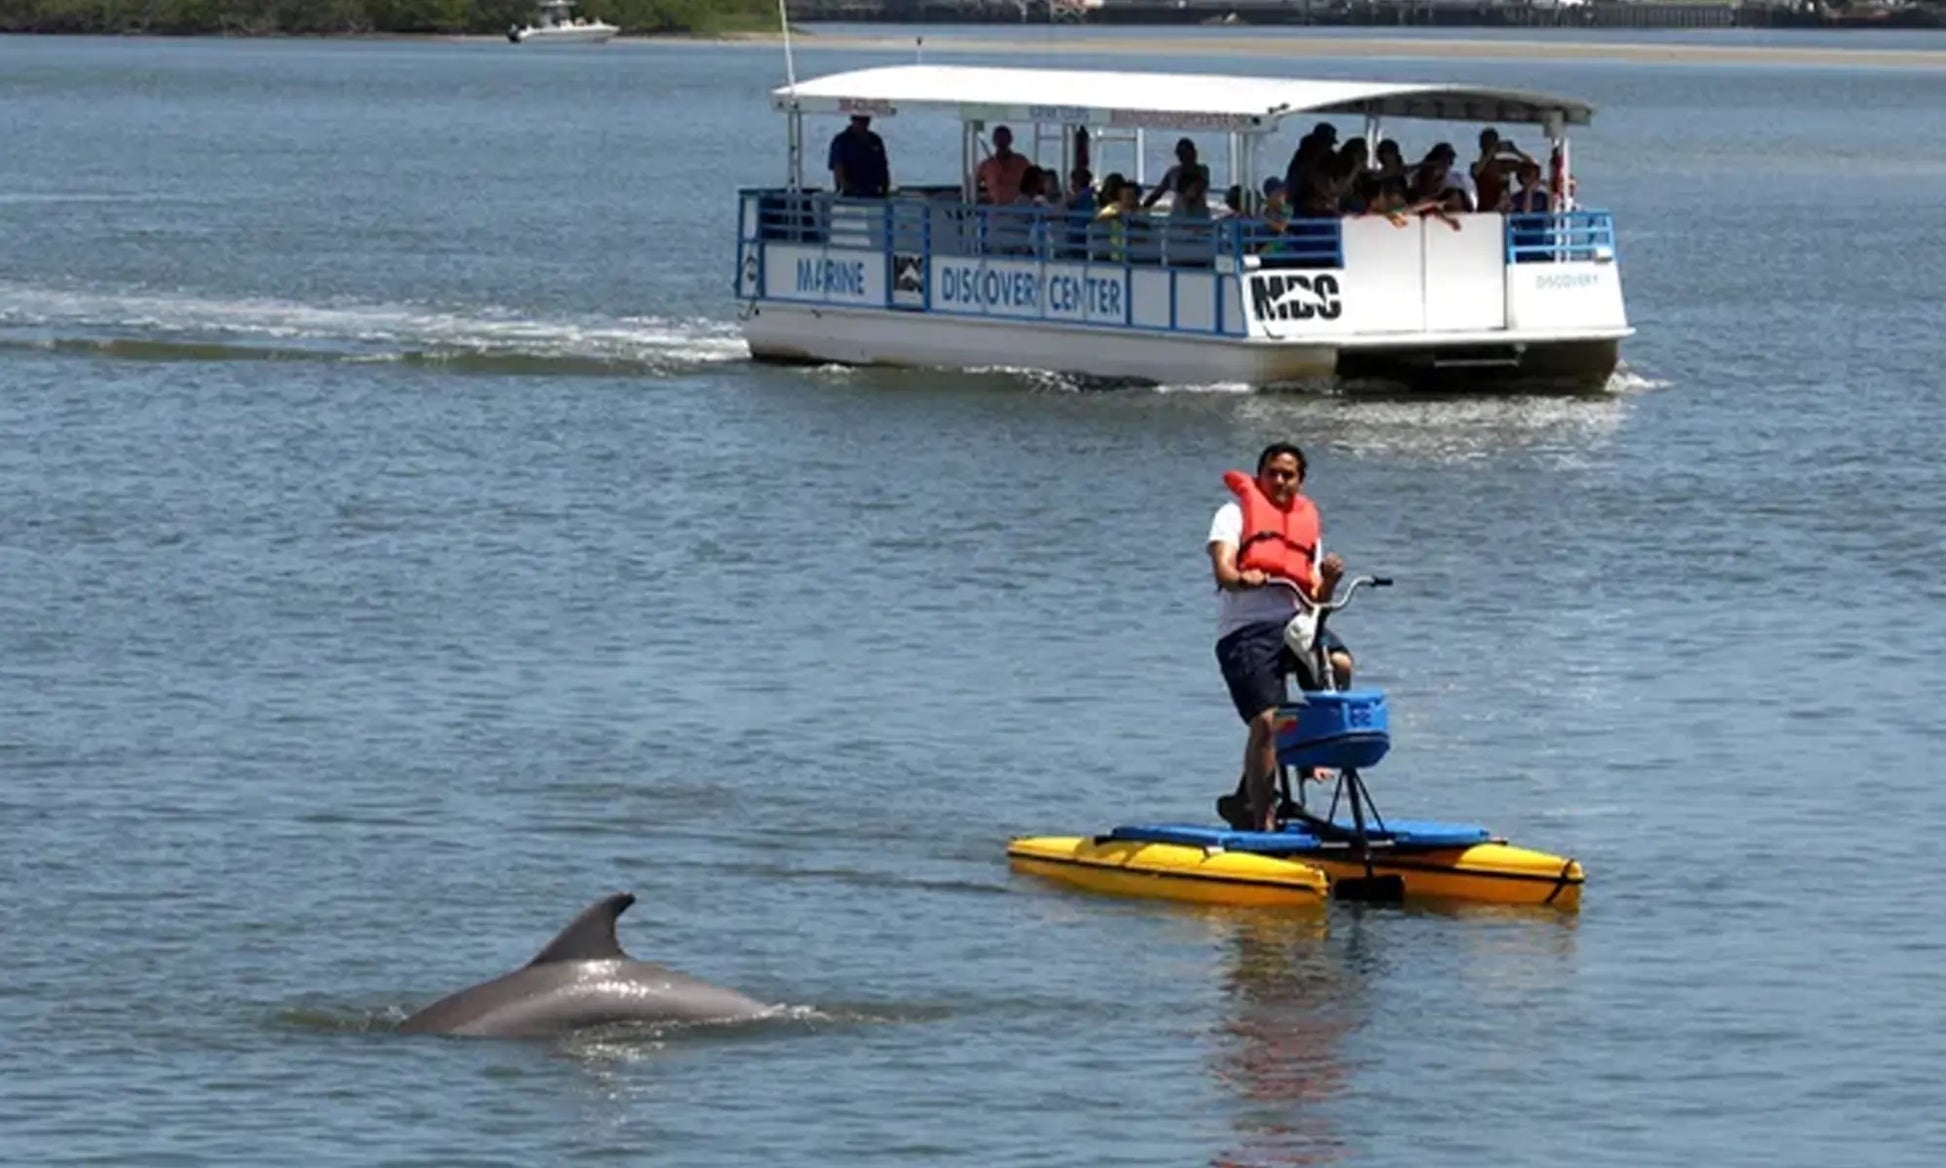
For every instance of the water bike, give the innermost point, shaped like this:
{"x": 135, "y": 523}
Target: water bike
{"x": 1326, "y": 736}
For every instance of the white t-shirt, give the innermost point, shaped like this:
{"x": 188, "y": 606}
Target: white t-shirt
{"x": 1249, "y": 606}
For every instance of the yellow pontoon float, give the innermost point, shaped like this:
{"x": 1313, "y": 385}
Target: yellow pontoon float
{"x": 1359, "y": 855}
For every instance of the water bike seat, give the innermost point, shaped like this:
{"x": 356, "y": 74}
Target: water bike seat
{"x": 1339, "y": 729}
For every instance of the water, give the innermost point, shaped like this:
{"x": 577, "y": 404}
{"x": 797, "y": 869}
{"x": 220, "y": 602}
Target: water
{"x": 397, "y": 553}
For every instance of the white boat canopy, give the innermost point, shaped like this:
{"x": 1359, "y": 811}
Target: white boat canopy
{"x": 1157, "y": 101}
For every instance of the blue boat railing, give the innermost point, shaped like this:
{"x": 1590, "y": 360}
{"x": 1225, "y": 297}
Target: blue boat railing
{"x": 1198, "y": 258}
{"x": 946, "y": 227}
{"x": 910, "y": 230}
{"x": 1560, "y": 237}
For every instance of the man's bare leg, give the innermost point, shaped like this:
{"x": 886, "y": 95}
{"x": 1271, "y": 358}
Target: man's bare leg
{"x": 1260, "y": 769}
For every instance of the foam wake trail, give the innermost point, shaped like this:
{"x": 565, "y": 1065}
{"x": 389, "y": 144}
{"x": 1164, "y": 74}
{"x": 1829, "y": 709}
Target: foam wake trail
{"x": 165, "y": 327}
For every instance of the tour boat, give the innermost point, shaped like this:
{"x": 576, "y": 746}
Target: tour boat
{"x": 930, "y": 276}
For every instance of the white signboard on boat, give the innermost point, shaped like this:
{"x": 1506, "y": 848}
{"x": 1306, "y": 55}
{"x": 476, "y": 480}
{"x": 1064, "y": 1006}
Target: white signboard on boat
{"x": 1555, "y": 296}
{"x": 828, "y": 275}
{"x": 1174, "y": 300}
{"x": 1023, "y": 288}
{"x": 1302, "y": 302}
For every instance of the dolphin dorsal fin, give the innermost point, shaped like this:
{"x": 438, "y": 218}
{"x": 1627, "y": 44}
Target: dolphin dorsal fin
{"x": 590, "y": 936}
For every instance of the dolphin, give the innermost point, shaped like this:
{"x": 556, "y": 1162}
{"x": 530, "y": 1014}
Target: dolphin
{"x": 582, "y": 978}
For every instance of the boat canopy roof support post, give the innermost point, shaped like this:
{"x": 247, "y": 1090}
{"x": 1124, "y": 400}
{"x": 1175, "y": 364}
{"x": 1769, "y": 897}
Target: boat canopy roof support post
{"x": 1561, "y": 179}
{"x": 1233, "y": 160}
{"x": 795, "y": 123}
{"x": 1372, "y": 131}
{"x": 1246, "y": 173}
{"x": 969, "y": 160}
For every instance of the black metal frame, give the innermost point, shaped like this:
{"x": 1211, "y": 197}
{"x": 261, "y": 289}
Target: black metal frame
{"x": 1350, "y": 787}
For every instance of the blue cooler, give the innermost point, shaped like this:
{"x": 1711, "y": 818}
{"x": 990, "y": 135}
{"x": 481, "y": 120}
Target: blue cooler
{"x": 1341, "y": 730}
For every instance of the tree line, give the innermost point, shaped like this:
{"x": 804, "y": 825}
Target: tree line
{"x": 325, "y": 17}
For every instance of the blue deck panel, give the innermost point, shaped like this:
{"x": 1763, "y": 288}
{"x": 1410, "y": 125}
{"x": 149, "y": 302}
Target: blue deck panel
{"x": 1422, "y": 833}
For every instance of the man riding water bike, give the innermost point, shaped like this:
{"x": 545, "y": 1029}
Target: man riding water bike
{"x": 1271, "y": 533}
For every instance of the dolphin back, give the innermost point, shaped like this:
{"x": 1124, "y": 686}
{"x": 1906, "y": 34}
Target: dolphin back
{"x": 581, "y": 978}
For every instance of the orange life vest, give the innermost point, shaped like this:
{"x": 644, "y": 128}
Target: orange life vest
{"x": 1275, "y": 541}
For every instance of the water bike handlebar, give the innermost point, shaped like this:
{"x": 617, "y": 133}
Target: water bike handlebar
{"x": 1341, "y": 600}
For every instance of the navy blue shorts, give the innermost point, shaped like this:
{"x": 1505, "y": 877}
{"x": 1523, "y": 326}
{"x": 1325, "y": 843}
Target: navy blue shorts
{"x": 1255, "y": 660}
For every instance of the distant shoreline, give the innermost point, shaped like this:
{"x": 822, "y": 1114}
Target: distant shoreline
{"x": 1512, "y": 47}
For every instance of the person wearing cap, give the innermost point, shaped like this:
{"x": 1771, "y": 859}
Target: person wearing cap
{"x": 857, "y": 161}
{"x": 1277, "y": 204}
{"x": 1275, "y": 216}
{"x": 1315, "y": 151}
{"x": 1176, "y": 176}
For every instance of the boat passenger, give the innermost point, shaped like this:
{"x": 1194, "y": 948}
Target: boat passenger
{"x": 1022, "y": 233}
{"x": 1533, "y": 197}
{"x": 1034, "y": 187}
{"x": 1274, "y": 217}
{"x": 1391, "y": 160}
{"x": 1346, "y": 167}
{"x": 1314, "y": 149}
{"x": 1192, "y": 201}
{"x": 1277, "y": 205}
{"x": 1362, "y": 195}
{"x": 857, "y": 161}
{"x": 999, "y": 176}
{"x": 1114, "y": 222}
{"x": 1270, "y": 235}
{"x": 1190, "y": 233}
{"x": 1498, "y": 159}
{"x": 1318, "y": 202}
{"x": 1176, "y": 176}
{"x": 1529, "y": 237}
{"x": 1271, "y": 531}
{"x": 1437, "y": 179}
{"x": 1388, "y": 197}
{"x": 1078, "y": 208}
{"x": 1081, "y": 190}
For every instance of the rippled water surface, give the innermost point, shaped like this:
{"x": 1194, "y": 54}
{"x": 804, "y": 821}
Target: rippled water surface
{"x": 398, "y": 552}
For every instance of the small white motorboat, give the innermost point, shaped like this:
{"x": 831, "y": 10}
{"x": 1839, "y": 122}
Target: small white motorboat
{"x": 558, "y": 25}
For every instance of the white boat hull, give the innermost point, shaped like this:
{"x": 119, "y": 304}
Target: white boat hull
{"x": 586, "y": 34}
{"x": 823, "y": 334}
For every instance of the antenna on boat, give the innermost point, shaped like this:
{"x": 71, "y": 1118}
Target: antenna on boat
{"x": 790, "y": 62}
{"x": 796, "y": 149}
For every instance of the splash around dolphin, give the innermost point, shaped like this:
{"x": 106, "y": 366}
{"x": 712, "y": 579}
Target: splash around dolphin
{"x": 581, "y": 979}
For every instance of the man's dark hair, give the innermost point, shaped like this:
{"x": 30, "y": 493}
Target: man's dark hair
{"x": 1276, "y": 449}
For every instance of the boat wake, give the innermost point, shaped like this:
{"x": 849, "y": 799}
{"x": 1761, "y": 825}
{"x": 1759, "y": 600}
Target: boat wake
{"x": 170, "y": 327}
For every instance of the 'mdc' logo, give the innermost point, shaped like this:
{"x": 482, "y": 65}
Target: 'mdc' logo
{"x": 1295, "y": 297}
